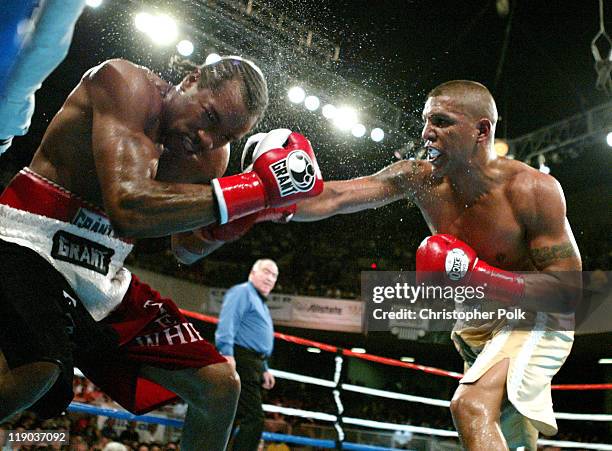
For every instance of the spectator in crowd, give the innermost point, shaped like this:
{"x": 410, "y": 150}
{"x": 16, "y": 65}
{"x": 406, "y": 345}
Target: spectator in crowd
{"x": 130, "y": 434}
{"x": 108, "y": 430}
{"x": 152, "y": 433}
{"x": 115, "y": 446}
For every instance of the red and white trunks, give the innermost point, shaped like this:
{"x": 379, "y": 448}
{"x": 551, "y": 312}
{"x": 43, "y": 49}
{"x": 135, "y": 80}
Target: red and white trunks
{"x": 75, "y": 238}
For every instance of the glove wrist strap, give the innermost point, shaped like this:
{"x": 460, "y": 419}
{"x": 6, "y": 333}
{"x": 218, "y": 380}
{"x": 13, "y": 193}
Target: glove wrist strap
{"x": 238, "y": 195}
{"x": 502, "y": 286}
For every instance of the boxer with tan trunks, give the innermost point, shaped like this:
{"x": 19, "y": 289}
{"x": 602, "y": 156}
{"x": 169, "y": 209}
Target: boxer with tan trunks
{"x": 492, "y": 217}
{"x": 129, "y": 156}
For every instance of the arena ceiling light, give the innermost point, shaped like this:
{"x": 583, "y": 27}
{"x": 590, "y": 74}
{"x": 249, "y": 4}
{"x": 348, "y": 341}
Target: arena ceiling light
{"x": 93, "y": 3}
{"x": 313, "y": 350}
{"x": 185, "y": 47}
{"x": 609, "y": 139}
{"x": 407, "y": 359}
{"x": 377, "y": 134}
{"x": 606, "y": 361}
{"x": 345, "y": 118}
{"x": 161, "y": 28}
{"x": 358, "y": 350}
{"x": 312, "y": 103}
{"x": 501, "y": 147}
{"x": 329, "y": 111}
{"x": 358, "y": 130}
{"x": 212, "y": 58}
{"x": 144, "y": 22}
{"x": 296, "y": 94}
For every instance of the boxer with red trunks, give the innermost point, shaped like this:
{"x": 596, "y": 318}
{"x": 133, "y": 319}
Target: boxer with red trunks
{"x": 495, "y": 217}
{"x": 129, "y": 156}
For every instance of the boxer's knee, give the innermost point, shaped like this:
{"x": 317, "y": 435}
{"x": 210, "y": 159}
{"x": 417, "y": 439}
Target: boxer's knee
{"x": 220, "y": 386}
{"x": 467, "y": 406}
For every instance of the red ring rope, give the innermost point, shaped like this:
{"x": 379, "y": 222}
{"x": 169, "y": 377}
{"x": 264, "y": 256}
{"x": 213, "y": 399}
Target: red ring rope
{"x": 386, "y": 360}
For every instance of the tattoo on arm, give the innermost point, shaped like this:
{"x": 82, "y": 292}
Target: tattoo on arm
{"x": 544, "y": 256}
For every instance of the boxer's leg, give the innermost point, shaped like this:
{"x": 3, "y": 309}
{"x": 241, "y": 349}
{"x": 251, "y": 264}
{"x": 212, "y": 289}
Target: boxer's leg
{"x": 22, "y": 386}
{"x": 476, "y": 410}
{"x": 211, "y": 393}
{"x": 519, "y": 431}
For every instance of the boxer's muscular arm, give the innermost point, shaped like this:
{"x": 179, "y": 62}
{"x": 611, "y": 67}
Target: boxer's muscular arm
{"x": 188, "y": 248}
{"x": 552, "y": 247}
{"x": 401, "y": 180}
{"x": 126, "y": 160}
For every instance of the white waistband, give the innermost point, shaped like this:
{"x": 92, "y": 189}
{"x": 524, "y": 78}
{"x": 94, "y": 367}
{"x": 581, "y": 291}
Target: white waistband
{"x": 91, "y": 262}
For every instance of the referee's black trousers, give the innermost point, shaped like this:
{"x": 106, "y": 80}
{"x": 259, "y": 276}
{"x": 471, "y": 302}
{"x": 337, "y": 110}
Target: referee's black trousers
{"x": 250, "y": 415}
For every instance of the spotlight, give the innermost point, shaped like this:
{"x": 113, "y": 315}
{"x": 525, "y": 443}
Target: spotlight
{"x": 93, "y": 3}
{"x": 296, "y": 94}
{"x": 313, "y": 350}
{"x": 605, "y": 361}
{"x": 185, "y": 47}
{"x": 358, "y": 350}
{"x": 166, "y": 30}
{"x": 377, "y": 134}
{"x": 345, "y": 118}
{"x": 407, "y": 359}
{"x": 161, "y": 29}
{"x": 358, "y": 130}
{"x": 312, "y": 103}
{"x": 609, "y": 139}
{"x": 144, "y": 22}
{"x": 212, "y": 58}
{"x": 501, "y": 147}
{"x": 329, "y": 111}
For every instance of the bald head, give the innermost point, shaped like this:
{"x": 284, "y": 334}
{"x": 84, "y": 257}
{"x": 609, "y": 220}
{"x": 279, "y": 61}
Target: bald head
{"x": 471, "y": 97}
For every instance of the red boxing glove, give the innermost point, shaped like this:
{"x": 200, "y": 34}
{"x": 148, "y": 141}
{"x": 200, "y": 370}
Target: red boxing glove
{"x": 284, "y": 171}
{"x": 457, "y": 263}
{"x": 238, "y": 228}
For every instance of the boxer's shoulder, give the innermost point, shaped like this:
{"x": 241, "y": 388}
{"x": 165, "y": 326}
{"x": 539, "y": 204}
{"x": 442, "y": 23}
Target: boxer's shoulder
{"x": 115, "y": 69}
{"x": 531, "y": 192}
{"x": 125, "y": 86}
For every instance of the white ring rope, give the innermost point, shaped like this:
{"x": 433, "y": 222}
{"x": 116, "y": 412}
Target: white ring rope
{"x": 393, "y": 395}
{"x": 399, "y": 427}
{"x": 418, "y": 399}
{"x": 300, "y": 378}
{"x": 562, "y": 444}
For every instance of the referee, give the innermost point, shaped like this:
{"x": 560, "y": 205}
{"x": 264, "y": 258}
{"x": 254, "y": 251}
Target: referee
{"x": 245, "y": 336}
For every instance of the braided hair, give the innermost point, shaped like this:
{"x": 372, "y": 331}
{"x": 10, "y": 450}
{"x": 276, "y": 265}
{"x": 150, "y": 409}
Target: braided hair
{"x": 254, "y": 87}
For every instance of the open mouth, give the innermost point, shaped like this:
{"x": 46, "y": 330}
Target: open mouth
{"x": 188, "y": 144}
{"x": 433, "y": 154}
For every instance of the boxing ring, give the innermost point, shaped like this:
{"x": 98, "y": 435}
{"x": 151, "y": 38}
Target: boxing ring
{"x": 339, "y": 421}
{"x": 17, "y": 116}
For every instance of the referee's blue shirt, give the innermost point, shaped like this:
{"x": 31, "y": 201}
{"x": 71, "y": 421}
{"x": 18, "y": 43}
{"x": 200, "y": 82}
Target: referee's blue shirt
{"x": 244, "y": 320}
